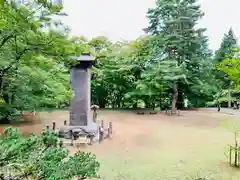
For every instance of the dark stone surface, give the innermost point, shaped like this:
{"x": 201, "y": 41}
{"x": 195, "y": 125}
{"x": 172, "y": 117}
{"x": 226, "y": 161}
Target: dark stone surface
{"x": 91, "y": 131}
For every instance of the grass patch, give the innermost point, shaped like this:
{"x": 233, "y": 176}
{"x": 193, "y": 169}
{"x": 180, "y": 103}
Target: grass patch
{"x": 190, "y": 161}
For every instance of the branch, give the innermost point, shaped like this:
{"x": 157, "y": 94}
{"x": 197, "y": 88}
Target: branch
{"x": 43, "y": 44}
{"x": 13, "y": 5}
{"x": 6, "y": 39}
{"x": 30, "y": 14}
{"x": 5, "y": 160}
{"x": 56, "y": 54}
{"x": 18, "y": 57}
{"x": 20, "y": 54}
{"x": 16, "y": 46}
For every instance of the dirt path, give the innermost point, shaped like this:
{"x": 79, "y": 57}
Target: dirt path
{"x": 136, "y": 131}
{"x": 229, "y": 111}
{"x": 131, "y": 130}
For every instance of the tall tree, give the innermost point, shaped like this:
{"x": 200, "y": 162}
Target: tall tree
{"x": 226, "y": 50}
{"x": 175, "y": 21}
{"x": 229, "y": 42}
{"x": 32, "y": 61}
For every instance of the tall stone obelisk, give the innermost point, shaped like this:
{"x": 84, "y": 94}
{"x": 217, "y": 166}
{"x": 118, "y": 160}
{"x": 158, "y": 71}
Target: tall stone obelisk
{"x": 80, "y": 79}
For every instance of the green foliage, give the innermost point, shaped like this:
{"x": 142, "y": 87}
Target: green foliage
{"x": 230, "y": 66}
{"x": 229, "y": 42}
{"x": 33, "y": 63}
{"x": 172, "y": 63}
{"x": 222, "y": 58}
{"x": 175, "y": 22}
{"x": 129, "y": 73}
{"x": 41, "y": 157}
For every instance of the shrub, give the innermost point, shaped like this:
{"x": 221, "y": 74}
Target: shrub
{"x": 42, "y": 157}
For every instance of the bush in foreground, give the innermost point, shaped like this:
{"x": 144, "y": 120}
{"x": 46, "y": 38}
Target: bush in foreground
{"x": 42, "y": 157}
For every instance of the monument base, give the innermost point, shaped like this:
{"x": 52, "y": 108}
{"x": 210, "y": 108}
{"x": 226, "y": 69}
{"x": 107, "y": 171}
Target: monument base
{"x": 68, "y": 131}
{"x": 91, "y": 133}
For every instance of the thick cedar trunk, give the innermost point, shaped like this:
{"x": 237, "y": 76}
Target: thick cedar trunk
{"x": 102, "y": 101}
{"x": 118, "y": 103}
{"x": 180, "y": 101}
{"x": 135, "y": 105}
{"x": 147, "y": 104}
{"x": 174, "y": 96}
{"x": 102, "y": 104}
{"x": 229, "y": 94}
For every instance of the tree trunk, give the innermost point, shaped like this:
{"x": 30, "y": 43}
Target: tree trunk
{"x": 160, "y": 102}
{"x": 135, "y": 105}
{"x": 174, "y": 96}
{"x": 147, "y": 102}
{"x": 153, "y": 103}
{"x": 180, "y": 100}
{"x": 101, "y": 102}
{"x": 229, "y": 95}
{"x": 118, "y": 102}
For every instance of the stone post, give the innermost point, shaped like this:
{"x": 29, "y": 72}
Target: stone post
{"x": 80, "y": 79}
{"x": 80, "y": 123}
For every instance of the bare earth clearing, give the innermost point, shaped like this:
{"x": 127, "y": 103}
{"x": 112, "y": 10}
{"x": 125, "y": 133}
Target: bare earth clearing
{"x": 152, "y": 147}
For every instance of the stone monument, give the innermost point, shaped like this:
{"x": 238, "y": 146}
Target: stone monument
{"x": 80, "y": 81}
